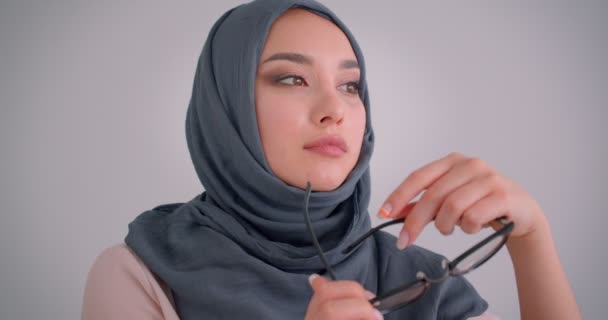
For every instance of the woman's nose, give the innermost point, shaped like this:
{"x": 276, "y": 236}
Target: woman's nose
{"x": 329, "y": 110}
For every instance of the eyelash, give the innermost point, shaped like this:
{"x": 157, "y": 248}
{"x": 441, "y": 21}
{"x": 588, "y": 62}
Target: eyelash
{"x": 279, "y": 80}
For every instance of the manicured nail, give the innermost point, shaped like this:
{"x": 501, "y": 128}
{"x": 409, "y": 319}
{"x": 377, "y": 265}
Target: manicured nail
{"x": 404, "y": 237}
{"x": 312, "y": 277}
{"x": 385, "y": 211}
{"x": 370, "y": 295}
{"x": 378, "y": 315}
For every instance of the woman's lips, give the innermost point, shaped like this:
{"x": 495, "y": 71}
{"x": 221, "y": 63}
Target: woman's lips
{"x": 333, "y": 146}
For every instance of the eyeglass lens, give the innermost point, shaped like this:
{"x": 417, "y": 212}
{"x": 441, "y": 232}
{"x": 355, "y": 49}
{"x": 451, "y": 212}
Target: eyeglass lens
{"x": 479, "y": 256}
{"x": 398, "y": 299}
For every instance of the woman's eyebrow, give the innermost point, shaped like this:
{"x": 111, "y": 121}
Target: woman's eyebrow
{"x": 307, "y": 60}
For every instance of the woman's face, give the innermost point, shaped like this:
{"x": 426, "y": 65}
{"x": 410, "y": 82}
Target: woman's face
{"x": 310, "y": 117}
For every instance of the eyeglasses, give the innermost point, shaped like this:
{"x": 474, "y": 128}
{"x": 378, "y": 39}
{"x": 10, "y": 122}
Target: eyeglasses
{"x": 406, "y": 294}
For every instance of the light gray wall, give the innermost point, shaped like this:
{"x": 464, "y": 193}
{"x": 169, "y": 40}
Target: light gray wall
{"x": 93, "y": 100}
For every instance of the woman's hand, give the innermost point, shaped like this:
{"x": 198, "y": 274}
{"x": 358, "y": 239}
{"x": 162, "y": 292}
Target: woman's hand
{"x": 466, "y": 192}
{"x": 460, "y": 191}
{"x": 339, "y": 300}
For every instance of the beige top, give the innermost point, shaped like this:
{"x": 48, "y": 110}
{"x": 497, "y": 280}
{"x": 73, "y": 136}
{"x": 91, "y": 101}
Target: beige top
{"x": 120, "y": 286}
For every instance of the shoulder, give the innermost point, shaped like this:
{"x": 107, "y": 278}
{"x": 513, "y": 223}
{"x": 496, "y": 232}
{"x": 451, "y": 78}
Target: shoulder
{"x": 120, "y": 286}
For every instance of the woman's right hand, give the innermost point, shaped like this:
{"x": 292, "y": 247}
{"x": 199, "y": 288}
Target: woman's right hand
{"x": 341, "y": 300}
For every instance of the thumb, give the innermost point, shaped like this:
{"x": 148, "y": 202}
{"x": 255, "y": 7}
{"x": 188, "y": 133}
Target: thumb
{"x": 316, "y": 281}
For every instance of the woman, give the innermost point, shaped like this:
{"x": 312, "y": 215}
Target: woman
{"x": 279, "y": 132}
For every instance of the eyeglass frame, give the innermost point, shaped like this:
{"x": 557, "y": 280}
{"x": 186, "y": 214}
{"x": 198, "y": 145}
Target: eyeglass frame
{"x": 421, "y": 277}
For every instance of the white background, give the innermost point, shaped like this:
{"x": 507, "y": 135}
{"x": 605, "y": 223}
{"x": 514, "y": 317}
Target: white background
{"x": 93, "y": 100}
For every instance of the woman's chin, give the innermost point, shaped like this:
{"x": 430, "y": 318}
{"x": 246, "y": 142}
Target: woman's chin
{"x": 321, "y": 177}
{"x": 325, "y": 182}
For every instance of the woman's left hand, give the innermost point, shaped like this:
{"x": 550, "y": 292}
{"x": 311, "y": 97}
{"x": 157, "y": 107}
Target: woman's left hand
{"x": 460, "y": 191}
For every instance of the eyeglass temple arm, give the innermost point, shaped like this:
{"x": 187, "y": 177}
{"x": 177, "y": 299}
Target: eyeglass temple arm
{"x": 358, "y": 242}
{"x": 314, "y": 236}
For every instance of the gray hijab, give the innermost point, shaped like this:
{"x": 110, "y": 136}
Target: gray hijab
{"x": 241, "y": 249}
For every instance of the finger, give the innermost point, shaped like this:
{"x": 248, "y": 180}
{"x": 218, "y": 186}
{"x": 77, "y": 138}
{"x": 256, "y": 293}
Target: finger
{"x": 484, "y": 212}
{"x": 341, "y": 300}
{"x": 317, "y": 282}
{"x": 455, "y": 204}
{"x": 325, "y": 289}
{"x": 416, "y": 182}
{"x": 403, "y": 213}
{"x": 431, "y": 201}
{"x": 347, "y": 309}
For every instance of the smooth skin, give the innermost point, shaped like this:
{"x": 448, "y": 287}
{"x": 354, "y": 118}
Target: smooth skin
{"x": 340, "y": 300}
{"x": 313, "y": 92}
{"x": 308, "y": 92}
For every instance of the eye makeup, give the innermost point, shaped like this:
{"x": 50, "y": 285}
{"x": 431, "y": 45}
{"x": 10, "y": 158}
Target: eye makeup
{"x": 296, "y": 79}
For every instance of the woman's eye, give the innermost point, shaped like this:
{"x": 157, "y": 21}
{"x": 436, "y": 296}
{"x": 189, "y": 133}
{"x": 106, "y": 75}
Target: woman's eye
{"x": 351, "y": 87}
{"x": 293, "y": 81}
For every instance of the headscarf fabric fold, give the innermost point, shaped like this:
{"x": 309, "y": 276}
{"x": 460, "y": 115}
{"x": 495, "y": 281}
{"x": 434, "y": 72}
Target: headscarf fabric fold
{"x": 241, "y": 249}
{"x": 247, "y": 230}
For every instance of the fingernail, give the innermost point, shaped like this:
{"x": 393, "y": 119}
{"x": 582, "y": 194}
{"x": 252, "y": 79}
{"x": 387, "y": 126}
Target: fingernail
{"x": 378, "y": 315}
{"x": 403, "y": 239}
{"x": 312, "y": 277}
{"x": 385, "y": 211}
{"x": 370, "y": 295}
